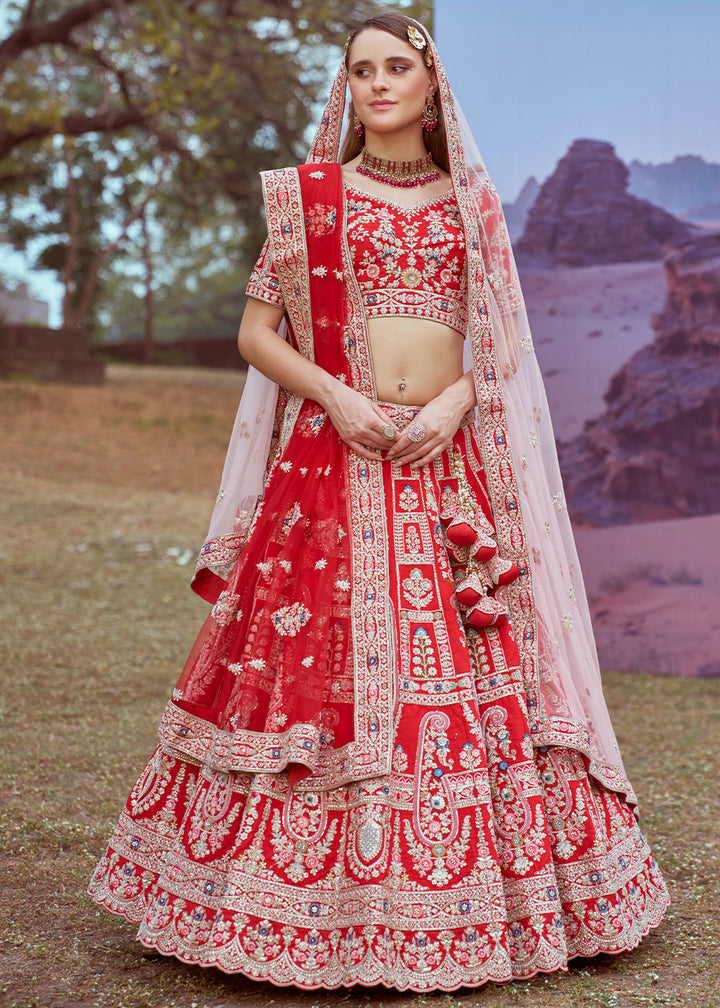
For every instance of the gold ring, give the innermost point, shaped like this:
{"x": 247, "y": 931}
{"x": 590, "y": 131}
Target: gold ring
{"x": 389, "y": 432}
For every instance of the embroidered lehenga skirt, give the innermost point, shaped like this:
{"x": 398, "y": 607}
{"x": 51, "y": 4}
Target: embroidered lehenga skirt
{"x": 470, "y": 857}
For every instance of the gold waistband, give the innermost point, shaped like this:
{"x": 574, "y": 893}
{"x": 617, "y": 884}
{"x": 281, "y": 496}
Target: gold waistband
{"x": 401, "y": 415}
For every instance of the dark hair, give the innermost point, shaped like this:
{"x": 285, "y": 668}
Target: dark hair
{"x": 397, "y": 25}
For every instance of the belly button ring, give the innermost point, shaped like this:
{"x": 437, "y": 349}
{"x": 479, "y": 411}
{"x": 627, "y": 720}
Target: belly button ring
{"x": 402, "y": 386}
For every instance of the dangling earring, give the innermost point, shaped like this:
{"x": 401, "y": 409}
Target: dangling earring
{"x": 429, "y": 119}
{"x": 357, "y": 126}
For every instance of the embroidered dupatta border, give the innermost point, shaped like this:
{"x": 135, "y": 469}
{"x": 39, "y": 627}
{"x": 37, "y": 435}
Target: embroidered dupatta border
{"x": 497, "y": 457}
{"x": 286, "y": 193}
{"x": 500, "y": 472}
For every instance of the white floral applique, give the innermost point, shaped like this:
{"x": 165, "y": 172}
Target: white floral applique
{"x": 568, "y": 623}
{"x": 496, "y": 281}
{"x": 559, "y": 502}
{"x": 290, "y": 619}
{"x": 317, "y": 174}
{"x": 320, "y": 271}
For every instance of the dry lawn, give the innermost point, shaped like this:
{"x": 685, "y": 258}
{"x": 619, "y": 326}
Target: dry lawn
{"x": 104, "y": 493}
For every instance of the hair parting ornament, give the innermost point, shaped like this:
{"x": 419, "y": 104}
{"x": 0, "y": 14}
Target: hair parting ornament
{"x": 418, "y": 40}
{"x": 415, "y": 38}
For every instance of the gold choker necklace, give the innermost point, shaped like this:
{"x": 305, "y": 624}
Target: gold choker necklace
{"x": 401, "y": 174}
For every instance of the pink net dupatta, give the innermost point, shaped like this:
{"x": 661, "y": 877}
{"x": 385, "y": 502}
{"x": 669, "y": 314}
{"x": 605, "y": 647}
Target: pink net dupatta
{"x": 272, "y": 669}
{"x": 548, "y": 606}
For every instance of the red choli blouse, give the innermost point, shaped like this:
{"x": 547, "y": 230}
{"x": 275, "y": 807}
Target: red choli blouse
{"x": 407, "y": 260}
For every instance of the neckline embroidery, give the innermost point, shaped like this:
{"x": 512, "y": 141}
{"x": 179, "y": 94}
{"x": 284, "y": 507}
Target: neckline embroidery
{"x": 393, "y": 203}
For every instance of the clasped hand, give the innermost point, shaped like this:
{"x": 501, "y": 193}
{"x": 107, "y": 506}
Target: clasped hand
{"x": 360, "y": 421}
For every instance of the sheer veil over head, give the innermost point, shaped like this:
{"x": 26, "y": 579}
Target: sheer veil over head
{"x": 547, "y": 604}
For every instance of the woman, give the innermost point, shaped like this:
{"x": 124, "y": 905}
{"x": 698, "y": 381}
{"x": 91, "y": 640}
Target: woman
{"x": 388, "y": 759}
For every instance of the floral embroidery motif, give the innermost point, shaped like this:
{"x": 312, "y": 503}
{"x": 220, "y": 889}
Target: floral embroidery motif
{"x": 293, "y": 515}
{"x": 408, "y": 499}
{"x": 424, "y": 663}
{"x": 568, "y": 623}
{"x": 417, "y": 588}
{"x": 320, "y": 219}
{"x": 311, "y": 425}
{"x": 289, "y": 620}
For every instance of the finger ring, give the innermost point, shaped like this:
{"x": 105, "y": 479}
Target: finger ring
{"x": 388, "y": 431}
{"x": 416, "y": 431}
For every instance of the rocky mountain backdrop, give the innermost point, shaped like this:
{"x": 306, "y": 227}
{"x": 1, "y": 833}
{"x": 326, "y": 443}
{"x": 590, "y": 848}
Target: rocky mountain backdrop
{"x": 584, "y": 215}
{"x": 654, "y": 453}
{"x": 687, "y": 187}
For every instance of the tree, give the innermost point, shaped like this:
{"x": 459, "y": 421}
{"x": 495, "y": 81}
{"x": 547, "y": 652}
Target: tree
{"x": 109, "y": 106}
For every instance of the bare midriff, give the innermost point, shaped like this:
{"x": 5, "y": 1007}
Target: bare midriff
{"x": 414, "y": 359}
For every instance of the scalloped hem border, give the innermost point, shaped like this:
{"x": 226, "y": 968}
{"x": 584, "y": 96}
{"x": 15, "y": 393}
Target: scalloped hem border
{"x": 576, "y": 951}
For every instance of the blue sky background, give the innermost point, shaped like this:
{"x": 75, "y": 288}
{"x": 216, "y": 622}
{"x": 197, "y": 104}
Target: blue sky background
{"x": 534, "y": 75}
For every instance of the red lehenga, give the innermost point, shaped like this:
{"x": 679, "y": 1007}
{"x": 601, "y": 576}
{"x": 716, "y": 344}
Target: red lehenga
{"x": 364, "y": 775}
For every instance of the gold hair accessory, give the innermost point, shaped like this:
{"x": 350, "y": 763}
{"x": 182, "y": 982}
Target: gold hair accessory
{"x": 417, "y": 39}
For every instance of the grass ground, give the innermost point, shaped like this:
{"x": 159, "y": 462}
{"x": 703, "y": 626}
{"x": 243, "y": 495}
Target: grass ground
{"x": 105, "y": 494}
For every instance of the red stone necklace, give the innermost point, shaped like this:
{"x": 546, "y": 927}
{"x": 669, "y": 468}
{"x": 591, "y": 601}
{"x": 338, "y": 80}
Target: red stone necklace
{"x": 401, "y": 174}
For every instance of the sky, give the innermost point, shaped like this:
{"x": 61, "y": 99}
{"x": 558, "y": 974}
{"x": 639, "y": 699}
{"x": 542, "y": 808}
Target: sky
{"x": 531, "y": 76}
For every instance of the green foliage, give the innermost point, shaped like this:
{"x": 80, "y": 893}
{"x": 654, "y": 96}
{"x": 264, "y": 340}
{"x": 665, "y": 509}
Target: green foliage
{"x": 118, "y": 111}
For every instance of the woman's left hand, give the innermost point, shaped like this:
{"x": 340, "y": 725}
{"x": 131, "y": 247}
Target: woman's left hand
{"x": 440, "y": 419}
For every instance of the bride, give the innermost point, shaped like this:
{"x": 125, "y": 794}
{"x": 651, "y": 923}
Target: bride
{"x": 388, "y": 759}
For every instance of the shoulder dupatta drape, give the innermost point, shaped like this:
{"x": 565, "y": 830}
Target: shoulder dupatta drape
{"x": 323, "y": 703}
{"x": 547, "y": 602}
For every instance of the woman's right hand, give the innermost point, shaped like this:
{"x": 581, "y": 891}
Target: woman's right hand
{"x": 359, "y": 421}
